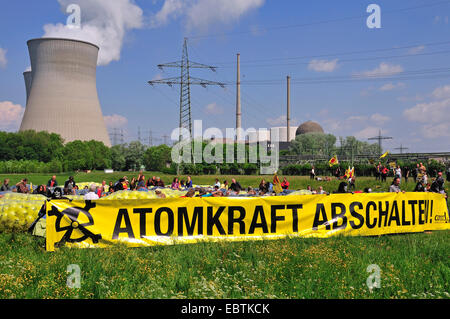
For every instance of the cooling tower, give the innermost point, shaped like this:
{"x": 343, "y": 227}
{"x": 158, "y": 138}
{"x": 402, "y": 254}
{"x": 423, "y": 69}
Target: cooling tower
{"x": 63, "y": 96}
{"x": 28, "y": 79}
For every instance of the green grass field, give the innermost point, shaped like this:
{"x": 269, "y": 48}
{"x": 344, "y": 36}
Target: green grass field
{"x": 411, "y": 265}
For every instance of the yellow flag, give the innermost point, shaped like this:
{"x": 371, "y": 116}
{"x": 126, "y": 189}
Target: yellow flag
{"x": 333, "y": 161}
{"x": 385, "y": 154}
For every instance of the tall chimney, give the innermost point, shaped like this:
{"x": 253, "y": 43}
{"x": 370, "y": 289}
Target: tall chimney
{"x": 238, "y": 100}
{"x": 288, "y": 112}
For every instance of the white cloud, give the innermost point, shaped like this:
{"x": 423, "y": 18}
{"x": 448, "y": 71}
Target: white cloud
{"x": 436, "y": 131}
{"x": 368, "y": 132}
{"x": 357, "y": 118}
{"x": 3, "y": 60}
{"x": 384, "y": 69}
{"x": 170, "y": 9}
{"x": 213, "y": 109}
{"x": 416, "y": 49}
{"x": 10, "y": 116}
{"x": 200, "y": 14}
{"x": 323, "y": 65}
{"x": 441, "y": 92}
{"x": 103, "y": 23}
{"x": 115, "y": 121}
{"x": 360, "y": 126}
{"x": 392, "y": 86}
{"x": 433, "y": 116}
{"x": 432, "y": 112}
{"x": 379, "y": 119}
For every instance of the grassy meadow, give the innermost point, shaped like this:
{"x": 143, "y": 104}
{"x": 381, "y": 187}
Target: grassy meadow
{"x": 411, "y": 265}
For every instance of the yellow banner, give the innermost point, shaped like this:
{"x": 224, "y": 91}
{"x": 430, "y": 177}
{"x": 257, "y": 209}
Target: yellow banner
{"x": 150, "y": 222}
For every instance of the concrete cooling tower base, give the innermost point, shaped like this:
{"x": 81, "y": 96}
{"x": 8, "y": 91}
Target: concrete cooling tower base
{"x": 63, "y": 95}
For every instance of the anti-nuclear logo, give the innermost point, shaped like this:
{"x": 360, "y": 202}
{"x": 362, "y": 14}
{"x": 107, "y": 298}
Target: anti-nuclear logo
{"x": 73, "y": 221}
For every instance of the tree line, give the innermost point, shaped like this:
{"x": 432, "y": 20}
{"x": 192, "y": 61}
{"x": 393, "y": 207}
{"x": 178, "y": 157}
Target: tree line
{"x": 43, "y": 152}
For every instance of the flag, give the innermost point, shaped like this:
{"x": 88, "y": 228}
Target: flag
{"x": 276, "y": 184}
{"x": 333, "y": 161}
{"x": 385, "y": 154}
{"x": 350, "y": 172}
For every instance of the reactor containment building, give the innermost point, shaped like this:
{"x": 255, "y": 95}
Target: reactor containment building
{"x": 62, "y": 91}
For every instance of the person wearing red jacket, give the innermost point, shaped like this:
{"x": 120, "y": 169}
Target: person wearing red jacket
{"x": 285, "y": 184}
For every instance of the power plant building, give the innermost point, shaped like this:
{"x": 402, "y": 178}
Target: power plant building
{"x": 62, "y": 92}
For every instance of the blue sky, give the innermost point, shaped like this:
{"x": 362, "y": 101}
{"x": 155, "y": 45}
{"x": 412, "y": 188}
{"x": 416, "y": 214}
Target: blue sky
{"x": 393, "y": 78}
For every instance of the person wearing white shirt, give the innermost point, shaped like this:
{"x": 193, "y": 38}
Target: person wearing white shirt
{"x": 92, "y": 193}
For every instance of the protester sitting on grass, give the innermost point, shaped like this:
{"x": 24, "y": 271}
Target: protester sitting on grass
{"x": 70, "y": 185}
{"x": 217, "y": 183}
{"x": 159, "y": 182}
{"x": 118, "y": 186}
{"x": 320, "y": 191}
{"x": 92, "y": 193}
{"x": 251, "y": 191}
{"x": 235, "y": 186}
{"x": 151, "y": 182}
{"x": 22, "y": 186}
{"x": 52, "y": 182}
{"x": 40, "y": 190}
{"x": 141, "y": 184}
{"x": 175, "y": 184}
{"x": 133, "y": 184}
{"x": 285, "y": 184}
{"x": 182, "y": 184}
{"x": 189, "y": 182}
{"x": 263, "y": 186}
{"x": 224, "y": 185}
{"x": 5, "y": 187}
{"x": 395, "y": 186}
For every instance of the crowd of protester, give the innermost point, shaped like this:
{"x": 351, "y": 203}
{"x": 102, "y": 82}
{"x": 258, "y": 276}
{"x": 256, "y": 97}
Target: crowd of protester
{"x": 234, "y": 188}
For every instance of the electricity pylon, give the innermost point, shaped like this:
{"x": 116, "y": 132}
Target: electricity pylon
{"x": 185, "y": 81}
{"x": 380, "y": 138}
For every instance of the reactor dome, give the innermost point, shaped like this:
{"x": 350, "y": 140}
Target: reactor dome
{"x": 309, "y": 127}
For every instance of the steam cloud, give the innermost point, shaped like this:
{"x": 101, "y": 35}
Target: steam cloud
{"x": 103, "y": 23}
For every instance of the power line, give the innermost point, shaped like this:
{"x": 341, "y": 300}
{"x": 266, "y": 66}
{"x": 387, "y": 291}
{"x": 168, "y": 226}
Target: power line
{"x": 348, "y": 60}
{"x": 409, "y": 46}
{"x": 363, "y": 76}
{"x": 296, "y": 26}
